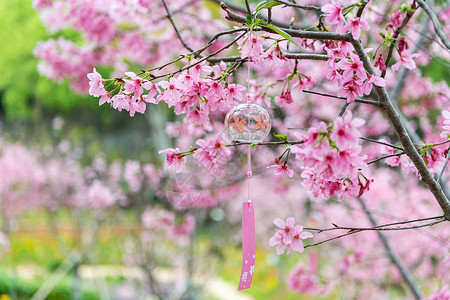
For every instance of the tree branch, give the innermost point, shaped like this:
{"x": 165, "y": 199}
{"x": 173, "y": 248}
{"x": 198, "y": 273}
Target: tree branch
{"x": 185, "y": 45}
{"x": 243, "y": 10}
{"x": 402, "y": 134}
{"x": 394, "y": 40}
{"x": 384, "y": 227}
{"x": 437, "y": 25}
{"x": 359, "y": 100}
{"x": 317, "y": 35}
{"x": 310, "y": 56}
{"x": 237, "y": 143}
{"x": 381, "y": 143}
{"x": 394, "y": 257}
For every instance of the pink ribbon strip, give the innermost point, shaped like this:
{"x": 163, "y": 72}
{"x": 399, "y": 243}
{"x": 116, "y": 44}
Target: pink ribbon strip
{"x": 248, "y": 245}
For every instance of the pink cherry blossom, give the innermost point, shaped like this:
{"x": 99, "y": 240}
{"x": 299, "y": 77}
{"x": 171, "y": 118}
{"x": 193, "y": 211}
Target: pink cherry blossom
{"x": 446, "y": 124}
{"x": 133, "y": 86}
{"x": 282, "y": 169}
{"x": 395, "y": 20}
{"x": 175, "y": 160}
{"x": 334, "y": 13}
{"x": 406, "y": 60}
{"x": 350, "y": 90}
{"x": 96, "y": 84}
{"x": 354, "y": 65}
{"x": 354, "y": 26}
{"x": 297, "y": 236}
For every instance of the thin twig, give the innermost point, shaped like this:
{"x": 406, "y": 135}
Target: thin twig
{"x": 202, "y": 59}
{"x": 343, "y": 109}
{"x": 437, "y": 25}
{"x": 236, "y": 143}
{"x": 169, "y": 15}
{"x": 318, "y": 35}
{"x": 249, "y": 11}
{"x": 394, "y": 257}
{"x": 359, "y": 100}
{"x": 384, "y": 227}
{"x": 403, "y": 136}
{"x": 385, "y": 156}
{"x": 397, "y": 32}
{"x": 309, "y": 56}
{"x": 361, "y": 8}
{"x": 382, "y": 143}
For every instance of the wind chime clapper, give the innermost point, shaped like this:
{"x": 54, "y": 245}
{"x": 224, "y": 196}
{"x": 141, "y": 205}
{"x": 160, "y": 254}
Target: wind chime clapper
{"x": 248, "y": 123}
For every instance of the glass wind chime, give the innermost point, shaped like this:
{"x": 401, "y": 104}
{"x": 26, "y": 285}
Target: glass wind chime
{"x": 248, "y": 123}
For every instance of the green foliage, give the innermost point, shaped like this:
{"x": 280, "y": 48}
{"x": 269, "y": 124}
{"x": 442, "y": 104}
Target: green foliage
{"x": 266, "y": 4}
{"x": 23, "y": 92}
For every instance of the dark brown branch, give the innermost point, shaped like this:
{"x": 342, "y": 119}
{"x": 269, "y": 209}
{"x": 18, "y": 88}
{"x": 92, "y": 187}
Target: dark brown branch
{"x": 437, "y": 25}
{"x": 359, "y": 100}
{"x": 237, "y": 143}
{"x": 382, "y": 143}
{"x": 361, "y": 8}
{"x": 310, "y": 56}
{"x": 243, "y": 10}
{"x": 249, "y": 11}
{"x": 197, "y": 52}
{"x": 394, "y": 257}
{"x": 394, "y": 39}
{"x": 384, "y": 227}
{"x": 318, "y": 35}
{"x": 403, "y": 136}
{"x": 185, "y": 45}
{"x": 202, "y": 59}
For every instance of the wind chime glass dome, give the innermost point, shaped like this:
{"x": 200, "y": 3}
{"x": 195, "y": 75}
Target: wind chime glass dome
{"x": 248, "y": 123}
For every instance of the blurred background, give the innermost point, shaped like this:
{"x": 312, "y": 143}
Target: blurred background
{"x": 87, "y": 210}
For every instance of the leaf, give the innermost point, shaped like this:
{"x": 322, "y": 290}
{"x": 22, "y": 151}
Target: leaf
{"x": 281, "y": 137}
{"x": 282, "y": 33}
{"x": 266, "y": 4}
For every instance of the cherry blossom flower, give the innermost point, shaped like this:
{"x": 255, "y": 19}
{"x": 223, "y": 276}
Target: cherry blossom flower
{"x": 297, "y": 236}
{"x": 350, "y": 90}
{"x": 395, "y": 20}
{"x": 334, "y": 13}
{"x": 406, "y": 60}
{"x": 133, "y": 86}
{"x": 175, "y": 160}
{"x": 121, "y": 101}
{"x": 446, "y": 124}
{"x": 172, "y": 92}
{"x": 234, "y": 91}
{"x": 354, "y": 65}
{"x": 379, "y": 62}
{"x": 289, "y": 236}
{"x": 354, "y": 26}
{"x": 96, "y": 82}
{"x": 284, "y": 98}
{"x": 282, "y": 169}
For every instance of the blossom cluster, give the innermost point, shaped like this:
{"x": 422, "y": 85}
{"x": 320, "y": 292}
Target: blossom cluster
{"x": 333, "y": 161}
{"x": 190, "y": 93}
{"x": 306, "y": 280}
{"x": 289, "y": 236}
{"x": 347, "y": 71}
{"x": 159, "y": 219}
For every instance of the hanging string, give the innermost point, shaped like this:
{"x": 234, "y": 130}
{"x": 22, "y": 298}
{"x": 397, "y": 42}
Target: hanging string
{"x": 249, "y": 171}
